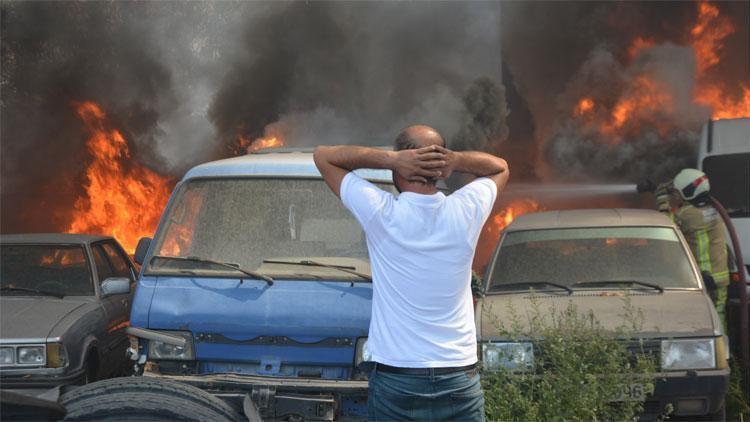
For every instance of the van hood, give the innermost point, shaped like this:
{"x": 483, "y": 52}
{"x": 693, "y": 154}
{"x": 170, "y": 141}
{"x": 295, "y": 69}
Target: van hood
{"x": 291, "y": 321}
{"x": 674, "y": 313}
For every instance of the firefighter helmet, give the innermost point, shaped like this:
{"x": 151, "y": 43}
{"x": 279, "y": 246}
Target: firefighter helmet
{"x": 691, "y": 183}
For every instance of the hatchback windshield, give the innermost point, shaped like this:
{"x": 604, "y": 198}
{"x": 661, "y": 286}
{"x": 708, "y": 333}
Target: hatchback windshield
{"x": 651, "y": 255}
{"x": 42, "y": 269}
{"x": 261, "y": 224}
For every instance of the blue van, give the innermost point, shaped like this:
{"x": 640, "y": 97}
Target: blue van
{"x": 256, "y": 288}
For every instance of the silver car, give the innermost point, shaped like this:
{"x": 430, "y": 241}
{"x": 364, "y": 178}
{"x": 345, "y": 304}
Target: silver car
{"x": 65, "y": 303}
{"x": 592, "y": 258}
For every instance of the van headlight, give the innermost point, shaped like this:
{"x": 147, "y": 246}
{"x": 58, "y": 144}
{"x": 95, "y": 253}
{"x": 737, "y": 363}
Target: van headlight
{"x": 511, "y": 356}
{"x": 685, "y": 354}
{"x": 361, "y": 353}
{"x": 161, "y": 350}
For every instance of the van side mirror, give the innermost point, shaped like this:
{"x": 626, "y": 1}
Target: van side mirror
{"x": 141, "y": 250}
{"x": 115, "y": 286}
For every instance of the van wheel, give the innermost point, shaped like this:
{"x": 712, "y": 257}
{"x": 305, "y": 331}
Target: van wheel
{"x": 139, "y": 398}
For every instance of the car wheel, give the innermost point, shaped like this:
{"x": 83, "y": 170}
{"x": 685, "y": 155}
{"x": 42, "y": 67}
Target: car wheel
{"x": 92, "y": 369}
{"x": 80, "y": 401}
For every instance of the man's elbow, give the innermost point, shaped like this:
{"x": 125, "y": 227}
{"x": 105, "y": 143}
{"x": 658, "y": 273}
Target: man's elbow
{"x": 319, "y": 154}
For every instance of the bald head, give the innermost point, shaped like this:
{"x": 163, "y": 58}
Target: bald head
{"x": 417, "y": 136}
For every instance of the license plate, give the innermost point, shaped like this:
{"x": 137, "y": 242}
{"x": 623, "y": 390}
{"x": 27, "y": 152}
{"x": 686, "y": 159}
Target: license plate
{"x": 631, "y": 392}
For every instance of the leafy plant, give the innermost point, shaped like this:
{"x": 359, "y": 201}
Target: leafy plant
{"x": 581, "y": 370}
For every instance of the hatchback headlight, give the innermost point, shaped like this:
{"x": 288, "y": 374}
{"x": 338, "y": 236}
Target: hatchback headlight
{"x": 7, "y": 356}
{"x": 160, "y": 350}
{"x": 511, "y": 356}
{"x": 31, "y": 355}
{"x": 361, "y": 353}
{"x": 688, "y": 354}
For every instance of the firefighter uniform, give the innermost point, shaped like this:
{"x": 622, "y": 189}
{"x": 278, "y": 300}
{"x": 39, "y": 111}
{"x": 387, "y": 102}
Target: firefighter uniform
{"x": 705, "y": 232}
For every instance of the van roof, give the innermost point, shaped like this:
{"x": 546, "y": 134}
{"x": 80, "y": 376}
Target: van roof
{"x": 277, "y": 162}
{"x": 605, "y": 217}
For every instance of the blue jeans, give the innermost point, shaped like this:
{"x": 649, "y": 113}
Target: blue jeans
{"x": 395, "y": 397}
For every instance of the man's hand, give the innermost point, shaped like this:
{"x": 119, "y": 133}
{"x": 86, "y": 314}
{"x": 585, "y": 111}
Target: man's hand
{"x": 479, "y": 164}
{"x": 419, "y": 165}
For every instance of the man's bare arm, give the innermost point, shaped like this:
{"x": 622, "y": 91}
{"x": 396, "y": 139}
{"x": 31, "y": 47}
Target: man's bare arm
{"x": 480, "y": 164}
{"x": 334, "y": 162}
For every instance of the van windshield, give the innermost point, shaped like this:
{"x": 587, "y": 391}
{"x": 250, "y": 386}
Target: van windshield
{"x": 273, "y": 226}
{"x": 730, "y": 181}
{"x": 584, "y": 256}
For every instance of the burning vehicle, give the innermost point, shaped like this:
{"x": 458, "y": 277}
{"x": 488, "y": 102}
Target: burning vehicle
{"x": 65, "y": 302}
{"x": 256, "y": 288}
{"x": 587, "y": 258}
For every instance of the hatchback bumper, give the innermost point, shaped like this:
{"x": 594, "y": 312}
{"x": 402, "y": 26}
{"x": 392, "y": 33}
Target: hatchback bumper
{"x": 692, "y": 394}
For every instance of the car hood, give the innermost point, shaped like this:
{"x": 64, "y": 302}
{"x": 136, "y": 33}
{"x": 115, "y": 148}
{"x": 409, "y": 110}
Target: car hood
{"x": 33, "y": 317}
{"x": 674, "y": 313}
{"x": 251, "y": 321}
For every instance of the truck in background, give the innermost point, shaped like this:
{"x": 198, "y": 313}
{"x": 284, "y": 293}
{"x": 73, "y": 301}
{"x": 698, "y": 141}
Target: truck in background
{"x": 724, "y": 155}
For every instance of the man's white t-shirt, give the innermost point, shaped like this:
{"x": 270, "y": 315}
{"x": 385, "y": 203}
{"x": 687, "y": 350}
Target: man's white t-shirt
{"x": 421, "y": 249}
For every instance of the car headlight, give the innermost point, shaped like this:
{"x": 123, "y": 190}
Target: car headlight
{"x": 7, "y": 356}
{"x": 688, "y": 354}
{"x": 161, "y": 350}
{"x": 361, "y": 353}
{"x": 31, "y": 355}
{"x": 511, "y": 356}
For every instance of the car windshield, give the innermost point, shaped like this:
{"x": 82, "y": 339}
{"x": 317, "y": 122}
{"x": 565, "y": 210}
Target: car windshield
{"x": 40, "y": 270}
{"x": 652, "y": 255}
{"x": 272, "y": 226}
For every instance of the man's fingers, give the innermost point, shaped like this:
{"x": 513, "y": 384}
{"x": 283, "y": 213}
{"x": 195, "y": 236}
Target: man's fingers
{"x": 418, "y": 179}
{"x": 429, "y": 173}
{"x": 431, "y": 156}
{"x": 441, "y": 149}
{"x": 434, "y": 164}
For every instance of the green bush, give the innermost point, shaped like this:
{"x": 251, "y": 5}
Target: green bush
{"x": 579, "y": 367}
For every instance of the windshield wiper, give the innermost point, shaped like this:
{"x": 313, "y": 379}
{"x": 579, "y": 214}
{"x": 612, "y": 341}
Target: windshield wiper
{"x": 308, "y": 263}
{"x": 235, "y": 267}
{"x": 532, "y": 283}
{"x": 37, "y": 291}
{"x": 609, "y": 282}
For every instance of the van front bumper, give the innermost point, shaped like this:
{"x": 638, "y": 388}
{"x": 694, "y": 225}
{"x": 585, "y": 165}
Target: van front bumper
{"x": 279, "y": 398}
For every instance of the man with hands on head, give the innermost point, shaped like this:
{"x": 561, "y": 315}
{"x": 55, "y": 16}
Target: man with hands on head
{"x": 422, "y": 336}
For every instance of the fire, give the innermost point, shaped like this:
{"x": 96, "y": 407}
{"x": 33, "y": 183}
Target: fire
{"x": 506, "y": 215}
{"x": 245, "y": 146}
{"x": 122, "y": 199}
{"x": 495, "y": 225}
{"x": 708, "y": 34}
{"x": 645, "y": 99}
{"x": 584, "y": 106}
{"x": 707, "y": 41}
{"x": 639, "y": 44}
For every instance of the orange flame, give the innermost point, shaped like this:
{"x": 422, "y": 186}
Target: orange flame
{"x": 584, "y": 106}
{"x": 505, "y": 216}
{"x": 645, "y": 99}
{"x": 495, "y": 225}
{"x": 245, "y": 146}
{"x": 122, "y": 199}
{"x": 708, "y": 34}
{"x": 707, "y": 41}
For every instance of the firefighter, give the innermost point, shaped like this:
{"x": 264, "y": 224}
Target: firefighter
{"x": 686, "y": 200}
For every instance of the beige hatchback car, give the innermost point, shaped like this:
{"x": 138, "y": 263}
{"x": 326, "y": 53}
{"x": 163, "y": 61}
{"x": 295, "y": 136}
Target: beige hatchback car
{"x": 591, "y": 258}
